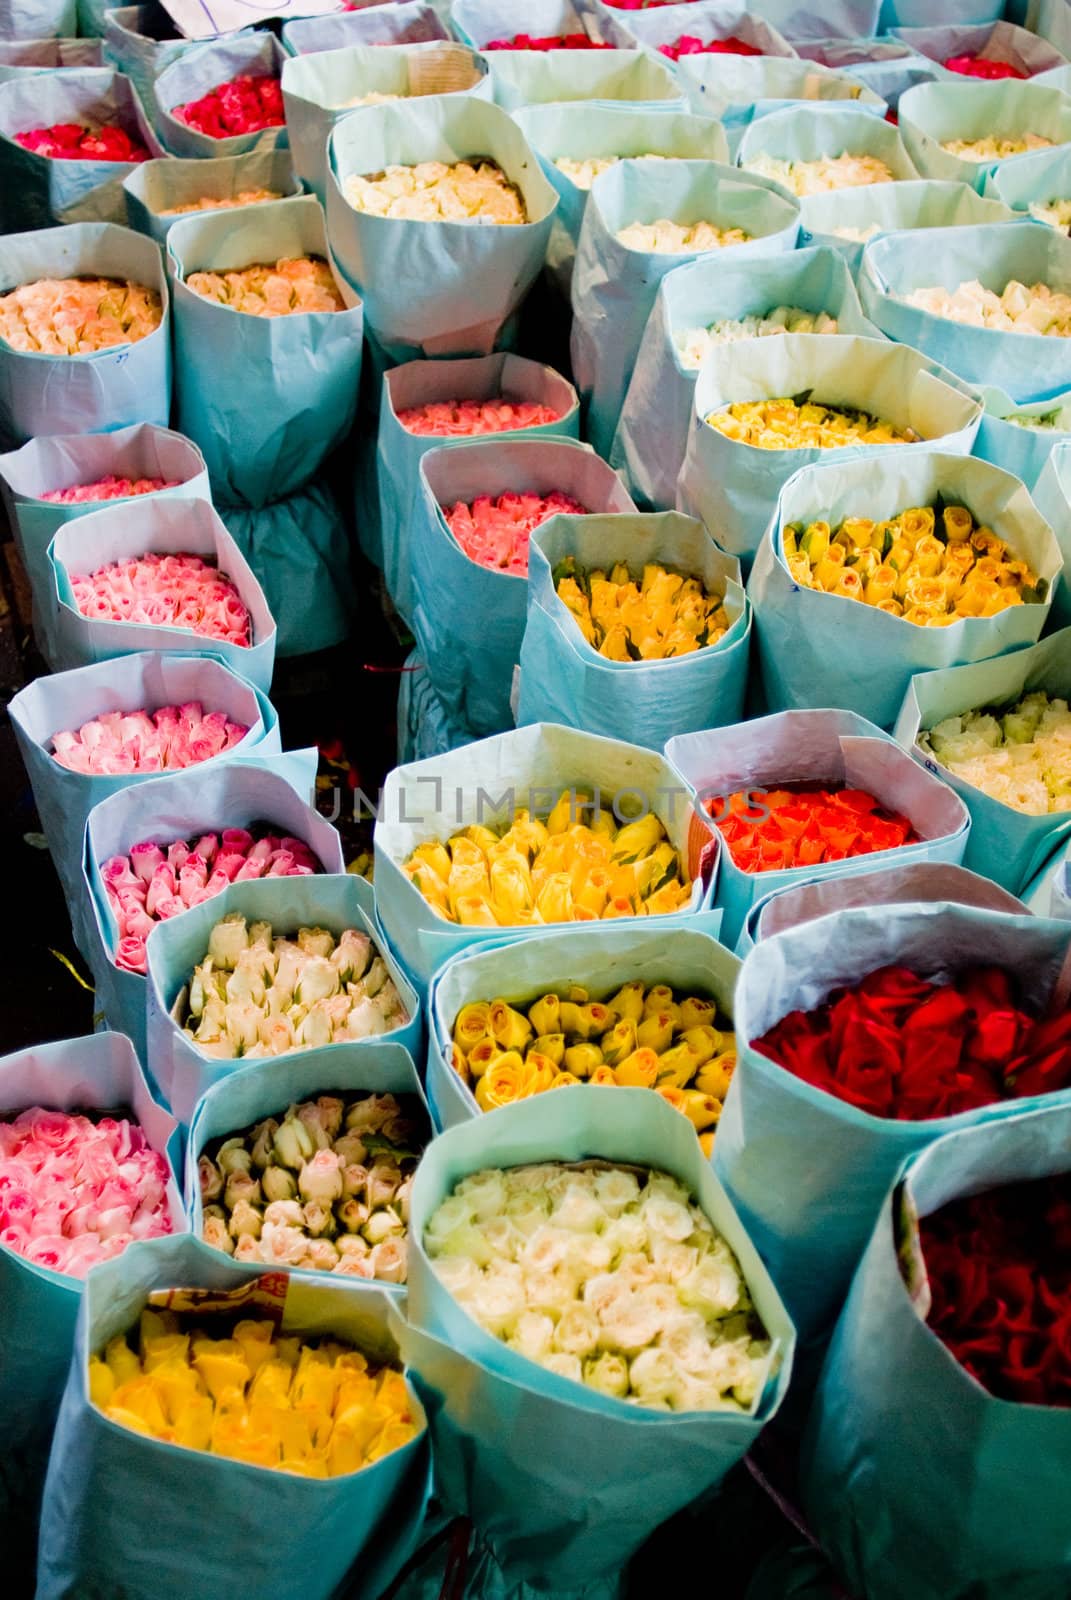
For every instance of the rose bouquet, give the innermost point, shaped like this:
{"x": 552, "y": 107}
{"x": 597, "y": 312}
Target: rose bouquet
{"x": 208, "y": 202}
{"x": 555, "y": 41}
{"x": 282, "y": 289}
{"x": 666, "y": 237}
{"x": 803, "y": 424}
{"x": 693, "y": 343}
{"x": 75, "y": 316}
{"x": 248, "y": 103}
{"x": 110, "y": 487}
{"x": 583, "y": 170}
{"x": 844, "y": 171}
{"x": 972, "y": 66}
{"x": 689, "y": 45}
{"x": 462, "y": 419}
{"x": 71, "y": 141}
{"x": 494, "y": 530}
{"x": 664, "y": 614}
{"x": 172, "y": 591}
{"x": 1056, "y": 212}
{"x": 1019, "y": 755}
{"x": 769, "y": 830}
{"x": 995, "y": 147}
{"x": 121, "y": 742}
{"x": 435, "y": 191}
{"x": 1018, "y": 308}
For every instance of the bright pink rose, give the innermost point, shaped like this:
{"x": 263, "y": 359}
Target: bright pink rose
{"x": 458, "y": 418}
{"x": 494, "y": 532}
{"x": 246, "y": 104}
{"x": 71, "y": 141}
{"x": 176, "y": 591}
{"x": 109, "y": 488}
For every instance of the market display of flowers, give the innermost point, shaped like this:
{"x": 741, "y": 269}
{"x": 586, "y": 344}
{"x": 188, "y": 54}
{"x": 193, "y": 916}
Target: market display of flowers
{"x": 77, "y": 1189}
{"x": 823, "y": 174}
{"x": 927, "y": 571}
{"x": 899, "y": 1046}
{"x": 1020, "y": 755}
{"x": 448, "y": 419}
{"x": 785, "y": 424}
{"x": 164, "y": 740}
{"x": 325, "y": 1185}
{"x": 993, "y": 147}
{"x": 805, "y": 825}
{"x": 494, "y": 530}
{"x": 971, "y": 66}
{"x": 1019, "y": 308}
{"x": 696, "y": 343}
{"x": 282, "y": 288}
{"x": 583, "y": 170}
{"x": 75, "y": 316}
{"x": 551, "y": 41}
{"x": 165, "y": 591}
{"x": 663, "y": 614}
{"x": 666, "y": 237}
{"x": 611, "y": 1276}
{"x": 433, "y": 191}
{"x": 210, "y": 202}
{"x": 1056, "y": 212}
{"x": 316, "y": 1407}
{"x": 258, "y": 993}
{"x": 161, "y": 879}
{"x": 108, "y": 488}
{"x": 76, "y": 141}
{"x": 689, "y": 45}
{"x": 579, "y": 865}
{"x": 247, "y": 104}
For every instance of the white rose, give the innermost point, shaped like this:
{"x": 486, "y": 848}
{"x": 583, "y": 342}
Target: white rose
{"x": 466, "y": 1240}
{"x": 459, "y": 1275}
{"x": 533, "y": 1336}
{"x": 626, "y": 1235}
{"x": 285, "y": 1212}
{"x": 565, "y": 1366}
{"x": 588, "y": 1253}
{"x": 578, "y": 1210}
{"x": 544, "y": 1179}
{"x": 697, "y": 1394}
{"x": 452, "y": 1213}
{"x": 662, "y": 1215}
{"x": 496, "y": 1303}
{"x": 656, "y": 1378}
{"x": 546, "y": 1249}
{"x": 502, "y": 1237}
{"x": 485, "y": 1194}
{"x": 685, "y": 1337}
{"x": 608, "y": 1373}
{"x": 550, "y": 1292}
{"x": 282, "y": 1245}
{"x": 713, "y": 1287}
{"x": 730, "y": 1368}
{"x": 604, "y": 1293}
{"x": 673, "y": 1259}
{"x": 635, "y": 1271}
{"x": 527, "y": 1211}
{"x": 615, "y": 1190}
{"x": 661, "y": 1299}
{"x": 663, "y": 1183}
{"x": 629, "y": 1326}
{"x": 577, "y": 1333}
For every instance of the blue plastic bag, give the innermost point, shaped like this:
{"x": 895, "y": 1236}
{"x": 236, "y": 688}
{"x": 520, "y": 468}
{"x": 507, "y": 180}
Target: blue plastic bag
{"x": 141, "y": 42}
{"x": 125, "y": 1513}
{"x": 112, "y": 388}
{"x": 652, "y": 433}
{"x": 614, "y": 286}
{"x": 804, "y": 19}
{"x": 266, "y": 398}
{"x": 156, "y": 188}
{"x": 818, "y": 649}
{"x": 406, "y": 22}
{"x": 633, "y": 77}
{"x": 1052, "y": 496}
{"x": 23, "y": 58}
{"x": 886, "y": 66}
{"x": 37, "y": 19}
{"x": 197, "y": 72}
{"x": 846, "y": 220}
{"x": 564, "y": 679}
{"x": 424, "y": 729}
{"x": 988, "y": 41}
{"x": 741, "y": 89}
{"x": 933, "y": 114}
{"x": 469, "y": 619}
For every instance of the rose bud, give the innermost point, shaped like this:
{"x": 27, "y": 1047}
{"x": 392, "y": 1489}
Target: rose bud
{"x": 316, "y": 941}
{"x": 277, "y": 1035}
{"x": 206, "y": 847}
{"x": 285, "y": 1213}
{"x": 263, "y": 1137}
{"x": 352, "y": 955}
{"x": 383, "y": 1181}
{"x": 239, "y": 839}
{"x": 293, "y": 1143}
{"x": 319, "y": 1218}
{"x": 376, "y": 976}
{"x": 211, "y": 1179}
{"x": 315, "y": 1029}
{"x": 354, "y": 1179}
{"x": 351, "y": 1149}
{"x": 243, "y": 1019}
{"x": 352, "y": 1215}
{"x": 228, "y": 862}
{"x": 401, "y": 1199}
{"x": 381, "y": 1224}
{"x": 233, "y": 1156}
{"x": 278, "y": 1184}
{"x": 388, "y": 1260}
{"x": 215, "y": 1233}
{"x": 309, "y": 1115}
{"x": 318, "y": 981}
{"x": 321, "y": 1178}
{"x": 351, "y": 1266}
{"x": 401, "y": 1129}
{"x": 144, "y": 859}
{"x": 227, "y": 940}
{"x": 241, "y": 1186}
{"x": 247, "y": 1248}
{"x": 245, "y": 1219}
{"x": 280, "y": 1245}
{"x": 331, "y": 1109}
{"x": 351, "y": 1244}
{"x": 322, "y": 1255}
{"x": 369, "y": 1115}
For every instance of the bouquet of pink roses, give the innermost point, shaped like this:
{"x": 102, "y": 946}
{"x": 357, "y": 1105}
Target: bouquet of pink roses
{"x": 110, "y": 487}
{"x": 170, "y": 591}
{"x": 120, "y": 742}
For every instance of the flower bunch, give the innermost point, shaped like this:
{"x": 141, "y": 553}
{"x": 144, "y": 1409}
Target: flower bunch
{"x": 324, "y": 1186}
{"x": 583, "y": 170}
{"x": 75, "y": 1190}
{"x": 928, "y": 571}
{"x": 1056, "y": 212}
{"x": 494, "y": 532}
{"x": 211, "y": 202}
{"x": 319, "y": 1408}
{"x": 998, "y": 1266}
{"x": 785, "y": 424}
{"x": 74, "y": 141}
{"x": 639, "y": 1038}
{"x": 74, "y": 316}
{"x": 256, "y": 994}
{"x": 823, "y": 174}
{"x": 665, "y": 614}
{"x": 562, "y": 870}
{"x": 1019, "y": 308}
{"x": 993, "y": 147}
{"x": 970, "y": 66}
{"x": 900, "y": 1047}
{"x": 172, "y": 591}
{"x": 689, "y": 45}
{"x": 768, "y": 830}
{"x": 158, "y": 881}
{"x": 164, "y": 740}
{"x": 1020, "y": 756}
{"x": 552, "y": 41}
{"x": 246, "y": 104}
{"x": 457, "y": 419}
{"x": 607, "y": 1275}
{"x": 279, "y": 289}
{"x": 1060, "y": 420}
{"x": 696, "y": 343}
{"x": 433, "y": 191}
{"x": 108, "y": 488}
{"x": 669, "y": 238}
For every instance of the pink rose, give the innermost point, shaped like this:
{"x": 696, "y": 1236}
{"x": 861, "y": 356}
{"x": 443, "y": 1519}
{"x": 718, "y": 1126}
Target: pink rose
{"x": 130, "y": 955}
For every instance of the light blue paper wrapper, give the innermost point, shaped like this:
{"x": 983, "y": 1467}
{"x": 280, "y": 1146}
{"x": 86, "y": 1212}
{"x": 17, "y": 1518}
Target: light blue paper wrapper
{"x": 918, "y": 14}
{"x": 886, "y": 66}
{"x": 734, "y": 488}
{"x": 237, "y": 373}
{"x": 804, "y": 19}
{"x": 971, "y": 1486}
{"x": 91, "y": 14}
{"x": 469, "y": 619}
{"x": 105, "y": 390}
{"x": 741, "y": 89}
{"x": 544, "y": 77}
{"x": 1050, "y": 19}
{"x": 156, "y": 187}
{"x": 1023, "y": 451}
{"x": 121, "y": 1508}
{"x": 1024, "y": 365}
{"x": 39, "y": 191}
{"x": 485, "y": 782}
{"x": 318, "y": 90}
{"x": 513, "y": 1441}
{"x": 815, "y": 747}
{"x": 23, "y": 58}
{"x": 1052, "y": 496}
{"x": 1040, "y": 176}
{"x": 1005, "y": 844}
{"x": 197, "y": 72}
{"x": 1049, "y": 894}
{"x": 385, "y": 524}
{"x": 141, "y": 40}
{"x": 60, "y": 462}
{"x": 277, "y": 789}
{"x": 808, "y": 1172}
{"x": 424, "y": 729}
{"x": 563, "y": 679}
{"x": 128, "y": 532}
{"x": 989, "y": 41}
{"x": 66, "y": 700}
{"x": 893, "y": 208}
{"x": 583, "y": 131}
{"x": 436, "y": 288}
{"x": 408, "y": 22}
{"x": 935, "y": 113}
{"x": 614, "y": 286}
{"x": 688, "y": 958}
{"x": 174, "y": 948}
{"x": 652, "y": 433}
{"x": 37, "y": 19}
{"x": 817, "y": 649}
{"x": 40, "y": 1306}
{"x": 702, "y": 19}
{"x": 806, "y": 132}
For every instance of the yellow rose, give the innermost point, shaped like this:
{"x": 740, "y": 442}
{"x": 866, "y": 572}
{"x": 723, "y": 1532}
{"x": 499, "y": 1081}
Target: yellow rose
{"x": 472, "y": 1025}
{"x": 639, "y": 1070}
{"x": 502, "y": 1083}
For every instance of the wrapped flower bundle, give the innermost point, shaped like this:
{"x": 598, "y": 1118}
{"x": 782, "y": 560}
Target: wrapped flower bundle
{"x": 819, "y": 176}
{"x": 75, "y": 1190}
{"x": 280, "y": 289}
{"x": 163, "y": 740}
{"x": 982, "y": 67}
{"x": 1056, "y": 212}
{"x": 696, "y": 342}
{"x": 172, "y": 591}
{"x": 928, "y": 571}
{"x": 665, "y": 614}
{"x": 803, "y": 424}
{"x": 583, "y": 170}
{"x": 610, "y": 1276}
{"x": 689, "y": 45}
{"x": 638, "y": 1038}
{"x": 312, "y": 1406}
{"x": 324, "y": 1186}
{"x": 669, "y": 238}
{"x": 1059, "y": 420}
{"x": 1019, "y": 308}
{"x": 553, "y": 41}
{"x": 1020, "y": 756}
{"x": 494, "y": 532}
{"x": 247, "y": 104}
{"x": 74, "y": 316}
{"x": 995, "y": 148}
{"x": 432, "y": 191}
{"x": 259, "y": 994}
{"x": 459, "y": 419}
{"x": 561, "y": 870}
{"x": 74, "y": 141}
{"x": 769, "y": 830}
{"x": 208, "y": 202}
{"x": 998, "y": 1269}
{"x": 108, "y": 488}
{"x": 899, "y": 1047}
{"x": 157, "y": 881}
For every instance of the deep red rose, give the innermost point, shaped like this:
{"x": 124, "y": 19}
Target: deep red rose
{"x": 246, "y": 104}
{"x": 71, "y": 141}
{"x": 980, "y": 67}
{"x": 689, "y": 45}
{"x": 555, "y": 41}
